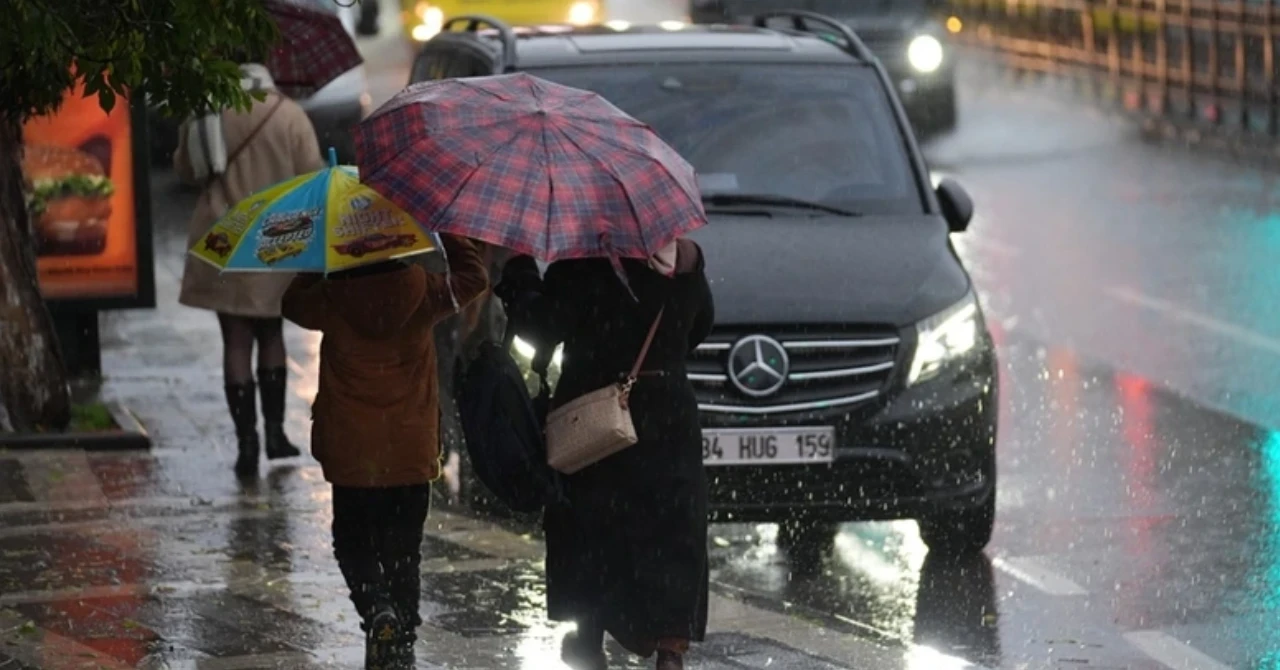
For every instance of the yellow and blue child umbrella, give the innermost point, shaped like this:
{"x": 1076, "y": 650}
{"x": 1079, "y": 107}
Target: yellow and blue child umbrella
{"x": 324, "y": 221}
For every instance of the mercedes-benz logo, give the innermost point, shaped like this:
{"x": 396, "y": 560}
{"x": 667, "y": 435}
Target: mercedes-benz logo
{"x": 758, "y": 365}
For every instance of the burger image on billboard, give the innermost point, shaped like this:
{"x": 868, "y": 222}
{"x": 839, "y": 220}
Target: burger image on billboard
{"x": 70, "y": 196}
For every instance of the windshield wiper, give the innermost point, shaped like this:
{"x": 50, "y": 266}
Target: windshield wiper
{"x": 729, "y": 199}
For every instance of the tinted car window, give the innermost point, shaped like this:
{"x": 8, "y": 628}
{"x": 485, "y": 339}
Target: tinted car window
{"x": 444, "y": 63}
{"x": 817, "y": 133}
{"x": 432, "y": 64}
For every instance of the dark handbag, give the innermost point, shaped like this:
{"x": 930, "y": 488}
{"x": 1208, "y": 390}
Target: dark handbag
{"x": 503, "y": 428}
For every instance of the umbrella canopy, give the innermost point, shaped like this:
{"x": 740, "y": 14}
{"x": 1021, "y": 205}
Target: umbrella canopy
{"x": 314, "y": 48}
{"x": 324, "y": 221}
{"x": 523, "y": 163}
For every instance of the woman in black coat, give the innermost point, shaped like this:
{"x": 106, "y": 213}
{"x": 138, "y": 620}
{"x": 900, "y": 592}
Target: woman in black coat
{"x": 628, "y": 554}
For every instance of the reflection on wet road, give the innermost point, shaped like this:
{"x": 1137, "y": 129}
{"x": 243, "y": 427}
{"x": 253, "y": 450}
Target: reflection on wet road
{"x": 1128, "y": 516}
{"x": 1136, "y": 530}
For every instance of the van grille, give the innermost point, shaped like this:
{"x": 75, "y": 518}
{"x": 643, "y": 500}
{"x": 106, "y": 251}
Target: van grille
{"x": 828, "y": 368}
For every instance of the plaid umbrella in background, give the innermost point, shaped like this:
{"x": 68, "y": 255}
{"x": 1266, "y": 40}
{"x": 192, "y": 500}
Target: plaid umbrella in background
{"x": 314, "y": 49}
{"x": 536, "y": 167}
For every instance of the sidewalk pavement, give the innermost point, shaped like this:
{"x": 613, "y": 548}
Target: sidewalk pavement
{"x": 164, "y": 560}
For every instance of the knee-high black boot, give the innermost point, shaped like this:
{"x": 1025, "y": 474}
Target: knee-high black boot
{"x": 243, "y": 403}
{"x": 272, "y": 383}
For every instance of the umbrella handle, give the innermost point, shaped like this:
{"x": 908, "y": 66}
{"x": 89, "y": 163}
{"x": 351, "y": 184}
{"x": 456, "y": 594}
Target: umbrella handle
{"x": 333, "y": 157}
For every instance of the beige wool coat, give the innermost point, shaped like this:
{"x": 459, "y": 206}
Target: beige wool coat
{"x": 285, "y": 147}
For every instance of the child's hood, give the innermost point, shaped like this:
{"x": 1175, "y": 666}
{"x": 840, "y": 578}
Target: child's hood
{"x": 378, "y": 306}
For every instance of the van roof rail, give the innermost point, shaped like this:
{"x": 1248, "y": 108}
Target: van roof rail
{"x": 476, "y": 21}
{"x": 800, "y": 20}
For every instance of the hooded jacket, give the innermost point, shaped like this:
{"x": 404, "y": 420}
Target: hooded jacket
{"x": 375, "y": 420}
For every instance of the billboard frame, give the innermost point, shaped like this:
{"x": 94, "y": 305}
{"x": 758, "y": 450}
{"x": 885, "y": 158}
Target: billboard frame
{"x": 144, "y": 241}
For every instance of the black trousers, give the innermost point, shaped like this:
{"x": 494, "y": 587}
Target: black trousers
{"x": 377, "y": 539}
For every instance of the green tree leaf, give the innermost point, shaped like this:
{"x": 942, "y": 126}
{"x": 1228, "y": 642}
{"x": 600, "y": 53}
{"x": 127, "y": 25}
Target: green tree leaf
{"x": 174, "y": 52}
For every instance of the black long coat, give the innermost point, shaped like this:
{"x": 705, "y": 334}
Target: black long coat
{"x": 630, "y": 549}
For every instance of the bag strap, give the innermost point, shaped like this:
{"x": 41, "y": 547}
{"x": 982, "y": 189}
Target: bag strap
{"x": 644, "y": 349}
{"x": 221, "y": 179}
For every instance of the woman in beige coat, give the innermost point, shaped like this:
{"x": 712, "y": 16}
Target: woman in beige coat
{"x": 270, "y": 143}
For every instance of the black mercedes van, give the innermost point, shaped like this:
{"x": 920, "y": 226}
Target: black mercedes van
{"x": 850, "y": 374}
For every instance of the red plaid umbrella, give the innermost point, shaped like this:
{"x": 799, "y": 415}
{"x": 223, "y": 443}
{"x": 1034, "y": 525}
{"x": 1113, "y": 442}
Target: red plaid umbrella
{"x": 520, "y": 162}
{"x": 314, "y": 49}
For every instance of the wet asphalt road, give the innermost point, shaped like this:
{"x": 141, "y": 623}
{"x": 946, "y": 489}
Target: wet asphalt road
{"x": 1130, "y": 288}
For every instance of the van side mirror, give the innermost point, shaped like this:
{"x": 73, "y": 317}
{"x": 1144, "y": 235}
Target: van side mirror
{"x": 956, "y": 205}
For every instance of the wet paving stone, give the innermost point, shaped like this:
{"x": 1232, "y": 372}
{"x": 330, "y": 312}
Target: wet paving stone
{"x": 732, "y": 650}
{"x": 13, "y": 483}
{"x": 484, "y": 603}
{"x": 119, "y": 637}
{"x": 54, "y": 561}
{"x": 291, "y": 629}
{"x": 127, "y": 477}
{"x": 16, "y": 520}
{"x": 11, "y": 663}
{"x": 194, "y": 623}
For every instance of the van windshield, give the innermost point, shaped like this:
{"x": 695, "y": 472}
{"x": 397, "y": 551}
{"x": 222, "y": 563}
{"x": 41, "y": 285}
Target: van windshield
{"x": 814, "y": 133}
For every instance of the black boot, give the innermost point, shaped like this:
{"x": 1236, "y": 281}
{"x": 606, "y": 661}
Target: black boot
{"x": 243, "y": 404}
{"x": 382, "y": 638}
{"x": 670, "y": 660}
{"x": 583, "y": 649}
{"x": 403, "y": 656}
{"x": 404, "y": 585}
{"x": 272, "y": 383}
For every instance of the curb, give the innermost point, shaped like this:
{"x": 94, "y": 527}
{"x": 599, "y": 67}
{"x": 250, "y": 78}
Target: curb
{"x": 132, "y": 435}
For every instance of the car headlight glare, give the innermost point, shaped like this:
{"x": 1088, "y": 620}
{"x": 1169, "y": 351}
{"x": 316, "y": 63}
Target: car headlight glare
{"x": 582, "y": 13}
{"x": 523, "y": 352}
{"x": 944, "y": 338}
{"x": 431, "y": 25}
{"x": 925, "y": 53}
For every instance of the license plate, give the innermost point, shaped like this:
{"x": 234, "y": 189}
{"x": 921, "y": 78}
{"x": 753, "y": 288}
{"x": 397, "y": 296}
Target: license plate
{"x": 768, "y": 446}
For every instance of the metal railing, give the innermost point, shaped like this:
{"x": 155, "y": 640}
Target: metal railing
{"x": 1206, "y": 62}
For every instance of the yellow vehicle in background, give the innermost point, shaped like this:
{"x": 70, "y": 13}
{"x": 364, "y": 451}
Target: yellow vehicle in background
{"x": 423, "y": 19}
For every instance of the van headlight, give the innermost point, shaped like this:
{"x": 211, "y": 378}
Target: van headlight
{"x": 925, "y": 53}
{"x": 582, "y": 13}
{"x": 944, "y": 337}
{"x": 523, "y": 352}
{"x": 430, "y": 22}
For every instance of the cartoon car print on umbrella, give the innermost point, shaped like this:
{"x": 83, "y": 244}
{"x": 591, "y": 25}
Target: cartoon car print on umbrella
{"x": 287, "y": 226}
{"x": 374, "y": 242}
{"x": 218, "y": 243}
{"x": 324, "y": 221}
{"x": 273, "y": 255}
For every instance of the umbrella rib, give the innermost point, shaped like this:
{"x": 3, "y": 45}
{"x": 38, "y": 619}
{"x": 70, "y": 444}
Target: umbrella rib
{"x": 694, "y": 199}
{"x": 375, "y": 170}
{"x": 609, "y": 171}
{"x": 696, "y": 202}
{"x": 551, "y": 188}
{"x": 430, "y": 225}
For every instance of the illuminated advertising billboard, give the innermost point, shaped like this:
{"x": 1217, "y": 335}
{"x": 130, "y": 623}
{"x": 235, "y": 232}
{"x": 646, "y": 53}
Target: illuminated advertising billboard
{"x": 88, "y": 186}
